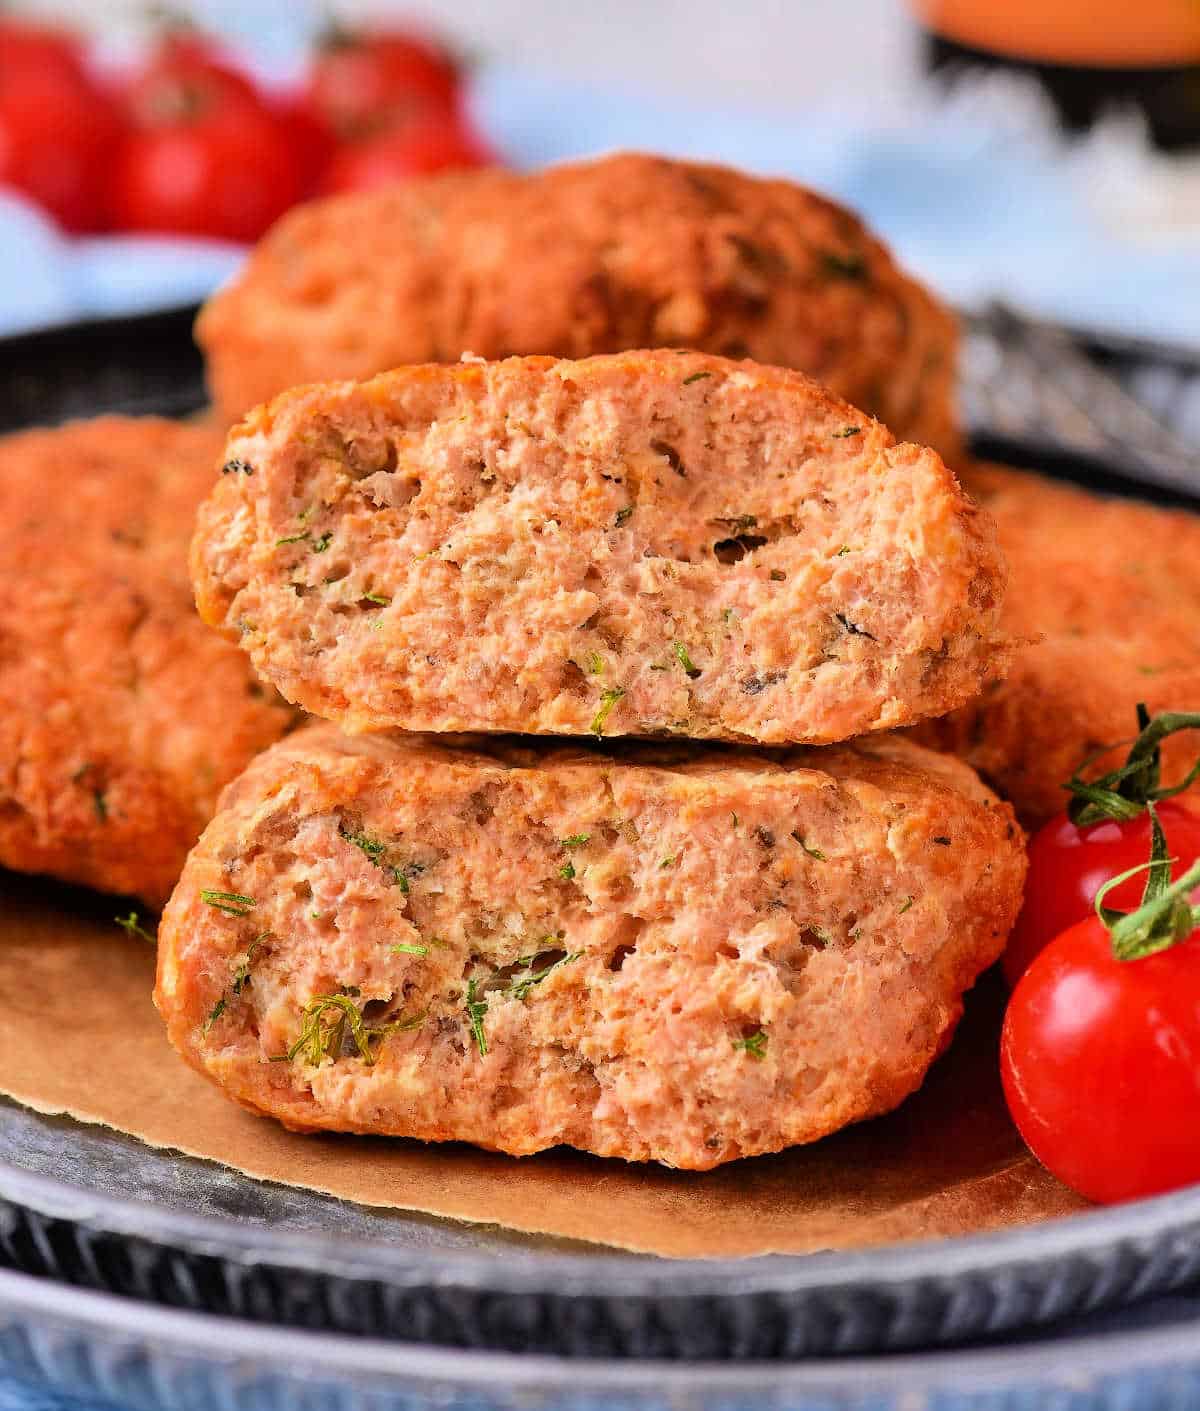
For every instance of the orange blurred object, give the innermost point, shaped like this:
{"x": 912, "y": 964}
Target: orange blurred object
{"x": 1094, "y": 33}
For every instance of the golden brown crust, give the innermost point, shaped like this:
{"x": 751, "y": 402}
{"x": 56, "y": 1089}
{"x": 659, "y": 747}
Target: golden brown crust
{"x": 121, "y": 715}
{"x": 640, "y": 543}
{"x": 834, "y": 903}
{"x": 626, "y": 252}
{"x": 1109, "y": 590}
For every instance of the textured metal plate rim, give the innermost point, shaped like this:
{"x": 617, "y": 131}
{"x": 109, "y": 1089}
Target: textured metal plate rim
{"x": 86, "y": 1341}
{"x": 1137, "y": 1227}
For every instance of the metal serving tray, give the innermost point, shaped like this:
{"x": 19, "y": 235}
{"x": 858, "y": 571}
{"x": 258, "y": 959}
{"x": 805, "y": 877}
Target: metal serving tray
{"x": 154, "y": 1359}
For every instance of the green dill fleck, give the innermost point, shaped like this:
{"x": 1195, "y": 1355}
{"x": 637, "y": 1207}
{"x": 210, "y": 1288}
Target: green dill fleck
{"x": 372, "y": 848}
{"x": 845, "y": 549}
{"x": 100, "y": 804}
{"x": 231, "y": 902}
{"x": 404, "y": 948}
{"x": 670, "y": 861}
{"x": 241, "y": 975}
{"x": 376, "y": 598}
{"x": 567, "y": 871}
{"x": 753, "y": 1045}
{"x": 853, "y": 628}
{"x": 695, "y": 377}
{"x": 1149, "y": 670}
{"x": 684, "y": 660}
{"x": 906, "y": 904}
{"x": 812, "y": 852}
{"x": 321, "y": 544}
{"x": 319, "y": 1039}
{"x": 237, "y": 466}
{"x": 659, "y": 666}
{"x": 132, "y": 925}
{"x": 241, "y": 978}
{"x": 777, "y": 575}
{"x": 476, "y": 1009}
{"x": 305, "y": 515}
{"x": 846, "y": 431}
{"x": 595, "y": 663}
{"x": 520, "y": 985}
{"x": 607, "y": 700}
{"x": 727, "y": 615}
{"x": 735, "y": 819}
{"x": 622, "y": 515}
{"x": 737, "y": 523}
{"x": 293, "y": 539}
{"x": 839, "y": 266}
{"x": 576, "y": 840}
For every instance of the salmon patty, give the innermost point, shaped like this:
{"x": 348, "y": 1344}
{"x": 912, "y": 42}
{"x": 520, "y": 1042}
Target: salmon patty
{"x": 660, "y": 953}
{"x": 626, "y": 252}
{"x": 1112, "y": 589}
{"x": 638, "y": 544}
{"x": 121, "y": 715}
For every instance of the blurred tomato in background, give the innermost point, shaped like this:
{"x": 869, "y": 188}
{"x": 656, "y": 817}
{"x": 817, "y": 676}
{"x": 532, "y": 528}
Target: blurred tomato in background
{"x": 58, "y": 129}
{"x": 188, "y": 142}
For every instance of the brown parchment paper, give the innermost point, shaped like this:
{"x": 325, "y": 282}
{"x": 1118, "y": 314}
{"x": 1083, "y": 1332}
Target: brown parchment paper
{"x": 79, "y": 1035}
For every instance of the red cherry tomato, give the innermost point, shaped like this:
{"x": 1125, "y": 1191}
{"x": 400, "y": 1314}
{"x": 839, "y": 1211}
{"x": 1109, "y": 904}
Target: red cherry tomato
{"x": 312, "y": 141}
{"x": 417, "y": 149}
{"x": 228, "y": 173}
{"x": 361, "y": 83}
{"x": 183, "y": 75}
{"x": 1069, "y": 865}
{"x": 1100, "y": 1060}
{"x": 27, "y": 49}
{"x": 57, "y": 142}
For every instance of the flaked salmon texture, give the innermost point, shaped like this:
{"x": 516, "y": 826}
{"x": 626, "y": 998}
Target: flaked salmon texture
{"x": 647, "y": 543}
{"x": 656, "y": 952}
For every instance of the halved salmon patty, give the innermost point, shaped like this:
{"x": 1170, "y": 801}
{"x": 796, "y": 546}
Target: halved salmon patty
{"x": 646, "y": 543}
{"x": 658, "y": 952}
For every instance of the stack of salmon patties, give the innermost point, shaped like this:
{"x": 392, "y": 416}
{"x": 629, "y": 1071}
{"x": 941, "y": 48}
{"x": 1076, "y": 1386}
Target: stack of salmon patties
{"x": 604, "y": 837}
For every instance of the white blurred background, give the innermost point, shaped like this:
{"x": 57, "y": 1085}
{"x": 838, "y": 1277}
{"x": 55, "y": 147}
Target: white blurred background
{"x": 979, "y": 190}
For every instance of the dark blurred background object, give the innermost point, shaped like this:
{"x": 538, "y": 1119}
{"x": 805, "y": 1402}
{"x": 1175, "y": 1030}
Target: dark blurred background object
{"x": 1090, "y": 56}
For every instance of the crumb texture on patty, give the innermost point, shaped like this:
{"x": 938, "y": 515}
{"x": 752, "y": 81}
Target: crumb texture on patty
{"x": 657, "y": 952}
{"x": 645, "y": 543}
{"x": 1108, "y": 591}
{"x": 121, "y": 715}
{"x": 629, "y": 251}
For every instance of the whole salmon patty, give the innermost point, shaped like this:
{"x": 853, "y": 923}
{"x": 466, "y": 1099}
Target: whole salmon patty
{"x": 121, "y": 715}
{"x": 651, "y": 542}
{"x": 1108, "y": 593}
{"x": 660, "y": 953}
{"x": 626, "y": 252}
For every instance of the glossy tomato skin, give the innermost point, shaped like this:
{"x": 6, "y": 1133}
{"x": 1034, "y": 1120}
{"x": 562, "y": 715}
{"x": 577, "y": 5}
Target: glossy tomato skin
{"x": 228, "y": 174}
{"x": 417, "y": 149}
{"x": 1100, "y": 1060}
{"x": 361, "y": 83}
{"x": 312, "y": 141}
{"x": 183, "y": 77}
{"x": 57, "y": 143}
{"x": 44, "y": 50}
{"x": 1069, "y": 865}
